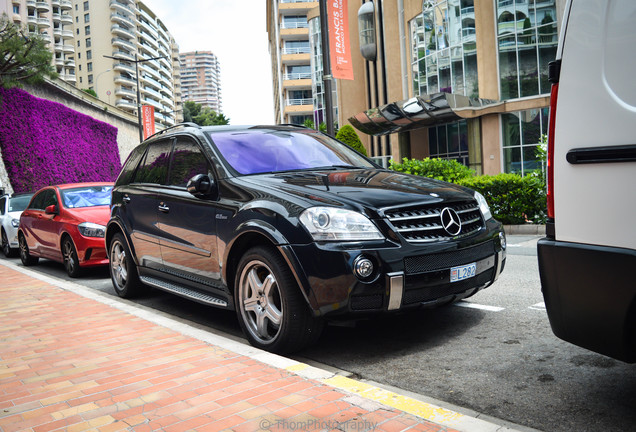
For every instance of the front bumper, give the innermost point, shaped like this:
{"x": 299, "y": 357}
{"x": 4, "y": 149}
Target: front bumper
{"x": 406, "y": 275}
{"x": 91, "y": 251}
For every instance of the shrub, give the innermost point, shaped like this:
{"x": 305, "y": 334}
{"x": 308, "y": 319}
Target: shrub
{"x": 348, "y": 135}
{"x": 441, "y": 169}
{"x": 513, "y": 199}
{"x": 45, "y": 143}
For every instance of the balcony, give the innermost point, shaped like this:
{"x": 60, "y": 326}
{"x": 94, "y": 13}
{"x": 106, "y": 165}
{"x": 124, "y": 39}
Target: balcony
{"x": 68, "y": 49}
{"x": 67, "y": 34}
{"x": 66, "y": 4}
{"x": 124, "y": 80}
{"x": 126, "y": 104}
{"x": 122, "y": 31}
{"x": 122, "y": 67}
{"x": 296, "y": 6}
{"x": 59, "y": 61}
{"x": 69, "y": 63}
{"x": 56, "y": 17}
{"x": 66, "y": 19}
{"x": 296, "y": 59}
{"x": 54, "y": 3}
{"x": 125, "y": 92}
{"x": 123, "y": 43}
{"x": 30, "y": 3}
{"x": 122, "y": 19}
{"x": 42, "y": 6}
{"x": 57, "y": 31}
{"x": 44, "y": 23}
{"x": 124, "y": 55}
{"x": 32, "y": 20}
{"x": 123, "y": 7}
{"x": 46, "y": 37}
{"x": 297, "y": 81}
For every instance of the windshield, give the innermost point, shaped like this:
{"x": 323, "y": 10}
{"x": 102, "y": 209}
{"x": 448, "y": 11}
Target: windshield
{"x": 19, "y": 203}
{"x": 266, "y": 151}
{"x": 88, "y": 196}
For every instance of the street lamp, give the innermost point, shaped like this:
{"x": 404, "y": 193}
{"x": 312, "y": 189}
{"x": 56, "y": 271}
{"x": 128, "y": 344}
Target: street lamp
{"x": 137, "y": 61}
{"x": 97, "y": 78}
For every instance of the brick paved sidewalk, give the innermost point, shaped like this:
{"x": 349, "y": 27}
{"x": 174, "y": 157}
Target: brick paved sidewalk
{"x": 71, "y": 363}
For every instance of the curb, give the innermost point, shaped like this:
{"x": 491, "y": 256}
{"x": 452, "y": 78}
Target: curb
{"x": 362, "y": 393}
{"x": 528, "y": 229}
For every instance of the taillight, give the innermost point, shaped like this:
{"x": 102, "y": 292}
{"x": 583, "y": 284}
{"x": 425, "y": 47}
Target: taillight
{"x": 551, "y": 123}
{"x": 554, "y": 73}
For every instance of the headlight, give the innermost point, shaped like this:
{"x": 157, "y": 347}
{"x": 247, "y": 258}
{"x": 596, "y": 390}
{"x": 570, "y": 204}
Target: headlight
{"x": 483, "y": 206}
{"x": 328, "y": 223}
{"x": 15, "y": 223}
{"x": 89, "y": 229}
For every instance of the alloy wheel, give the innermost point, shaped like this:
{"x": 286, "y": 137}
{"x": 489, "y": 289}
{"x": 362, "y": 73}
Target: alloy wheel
{"x": 118, "y": 265}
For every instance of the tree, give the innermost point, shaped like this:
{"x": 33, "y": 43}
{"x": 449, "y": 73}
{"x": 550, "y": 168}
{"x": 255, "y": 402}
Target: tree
{"x": 348, "y": 135}
{"x": 24, "y": 58}
{"x": 203, "y": 116}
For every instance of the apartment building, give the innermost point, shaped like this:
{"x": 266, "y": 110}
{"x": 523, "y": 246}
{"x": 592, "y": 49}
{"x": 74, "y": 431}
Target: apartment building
{"x": 201, "y": 79}
{"x": 456, "y": 79}
{"x": 100, "y": 44}
{"x": 53, "y": 20}
{"x": 290, "y": 50}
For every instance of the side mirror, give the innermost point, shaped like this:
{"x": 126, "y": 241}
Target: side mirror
{"x": 201, "y": 186}
{"x": 52, "y": 209}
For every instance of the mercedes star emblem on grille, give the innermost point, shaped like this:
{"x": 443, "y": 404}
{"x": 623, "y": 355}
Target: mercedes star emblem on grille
{"x": 451, "y": 221}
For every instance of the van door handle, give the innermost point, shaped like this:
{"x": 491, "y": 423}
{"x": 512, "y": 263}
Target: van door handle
{"x": 164, "y": 208}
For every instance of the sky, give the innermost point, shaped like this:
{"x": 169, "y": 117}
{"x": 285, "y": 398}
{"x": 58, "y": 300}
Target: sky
{"x": 235, "y": 31}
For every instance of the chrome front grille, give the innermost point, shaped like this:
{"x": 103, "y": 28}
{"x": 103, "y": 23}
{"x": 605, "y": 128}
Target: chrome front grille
{"x": 421, "y": 224}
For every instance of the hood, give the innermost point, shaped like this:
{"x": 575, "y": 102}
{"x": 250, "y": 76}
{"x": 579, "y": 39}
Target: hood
{"x": 15, "y": 214}
{"x": 99, "y": 214}
{"x": 369, "y": 189}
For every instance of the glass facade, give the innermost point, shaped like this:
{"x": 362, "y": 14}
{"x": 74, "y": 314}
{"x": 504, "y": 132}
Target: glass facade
{"x": 521, "y": 134}
{"x": 449, "y": 141}
{"x": 444, "y": 49}
{"x": 527, "y": 41}
{"x": 317, "y": 87}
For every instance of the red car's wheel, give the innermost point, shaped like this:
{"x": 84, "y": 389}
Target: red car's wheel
{"x": 71, "y": 261}
{"x": 26, "y": 258}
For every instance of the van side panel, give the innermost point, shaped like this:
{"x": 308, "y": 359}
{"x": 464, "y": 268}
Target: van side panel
{"x": 594, "y": 202}
{"x": 590, "y": 296}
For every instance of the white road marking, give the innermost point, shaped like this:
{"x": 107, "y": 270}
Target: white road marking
{"x": 538, "y": 306}
{"x": 479, "y": 306}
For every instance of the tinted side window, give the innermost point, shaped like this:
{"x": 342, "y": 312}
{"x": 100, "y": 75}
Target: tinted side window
{"x": 131, "y": 163}
{"x": 43, "y": 199}
{"x": 154, "y": 168}
{"x": 3, "y": 205}
{"x": 187, "y": 161}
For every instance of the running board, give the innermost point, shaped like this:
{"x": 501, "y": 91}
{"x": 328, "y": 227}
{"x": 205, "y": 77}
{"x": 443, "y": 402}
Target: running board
{"x": 184, "y": 292}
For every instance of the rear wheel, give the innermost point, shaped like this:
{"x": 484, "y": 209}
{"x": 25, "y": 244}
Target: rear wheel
{"x": 6, "y": 247}
{"x": 71, "y": 261}
{"x": 271, "y": 309}
{"x": 26, "y": 258}
{"x": 123, "y": 270}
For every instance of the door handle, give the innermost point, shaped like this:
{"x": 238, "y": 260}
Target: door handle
{"x": 164, "y": 208}
{"x": 126, "y": 199}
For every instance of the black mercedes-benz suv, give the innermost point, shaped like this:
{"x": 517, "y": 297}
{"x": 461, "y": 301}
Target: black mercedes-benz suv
{"x": 290, "y": 227}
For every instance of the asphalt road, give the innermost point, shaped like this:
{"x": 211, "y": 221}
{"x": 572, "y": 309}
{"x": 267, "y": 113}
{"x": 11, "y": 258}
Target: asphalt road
{"x": 494, "y": 354}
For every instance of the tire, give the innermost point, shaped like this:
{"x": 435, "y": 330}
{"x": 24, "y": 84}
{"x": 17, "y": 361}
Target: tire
{"x": 270, "y": 307}
{"x": 6, "y": 248}
{"x": 123, "y": 270}
{"x": 71, "y": 261}
{"x": 26, "y": 258}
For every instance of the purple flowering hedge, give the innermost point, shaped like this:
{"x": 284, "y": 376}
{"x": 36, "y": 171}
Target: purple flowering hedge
{"x": 45, "y": 143}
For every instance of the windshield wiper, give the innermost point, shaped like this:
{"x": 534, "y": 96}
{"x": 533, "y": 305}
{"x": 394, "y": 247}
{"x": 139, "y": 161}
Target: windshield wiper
{"x": 335, "y": 167}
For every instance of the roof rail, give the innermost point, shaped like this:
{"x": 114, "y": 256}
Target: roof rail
{"x": 185, "y": 124}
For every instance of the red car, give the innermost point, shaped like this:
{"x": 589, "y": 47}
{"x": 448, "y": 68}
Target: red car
{"x": 66, "y": 223}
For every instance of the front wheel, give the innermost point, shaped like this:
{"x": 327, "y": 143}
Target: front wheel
{"x": 71, "y": 262}
{"x": 26, "y": 258}
{"x": 6, "y": 247}
{"x": 123, "y": 270}
{"x": 271, "y": 309}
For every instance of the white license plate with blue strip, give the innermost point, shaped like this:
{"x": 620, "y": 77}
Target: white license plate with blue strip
{"x": 463, "y": 272}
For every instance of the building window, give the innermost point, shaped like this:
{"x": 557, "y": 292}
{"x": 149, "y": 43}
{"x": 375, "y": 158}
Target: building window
{"x": 294, "y": 21}
{"x": 449, "y": 141}
{"x": 526, "y": 41}
{"x": 85, "y": 5}
{"x": 79, "y": 54}
{"x": 88, "y": 42}
{"x": 89, "y": 55}
{"x": 80, "y": 68}
{"x": 89, "y": 67}
{"x": 87, "y": 18}
{"x": 90, "y": 79}
{"x": 16, "y": 9}
{"x": 521, "y": 132}
{"x": 444, "y": 48}
{"x": 80, "y": 80}
{"x": 87, "y": 30}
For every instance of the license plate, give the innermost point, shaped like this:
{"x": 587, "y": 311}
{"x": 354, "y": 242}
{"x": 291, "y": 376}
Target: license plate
{"x": 463, "y": 272}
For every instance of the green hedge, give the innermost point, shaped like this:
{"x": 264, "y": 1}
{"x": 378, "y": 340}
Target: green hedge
{"x": 348, "y": 135}
{"x": 513, "y": 199}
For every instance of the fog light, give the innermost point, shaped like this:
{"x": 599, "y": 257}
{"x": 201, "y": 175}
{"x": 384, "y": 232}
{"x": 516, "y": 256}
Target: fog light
{"x": 363, "y": 267}
{"x": 502, "y": 240}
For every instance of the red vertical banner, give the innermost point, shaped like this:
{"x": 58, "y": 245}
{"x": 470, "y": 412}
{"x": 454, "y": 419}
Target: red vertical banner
{"x": 148, "y": 120}
{"x": 339, "y": 48}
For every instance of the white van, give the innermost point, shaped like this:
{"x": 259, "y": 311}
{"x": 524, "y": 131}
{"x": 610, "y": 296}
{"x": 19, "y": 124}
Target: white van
{"x": 588, "y": 259}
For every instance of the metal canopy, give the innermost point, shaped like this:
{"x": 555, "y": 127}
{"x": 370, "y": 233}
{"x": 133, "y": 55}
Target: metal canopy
{"x": 423, "y": 111}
